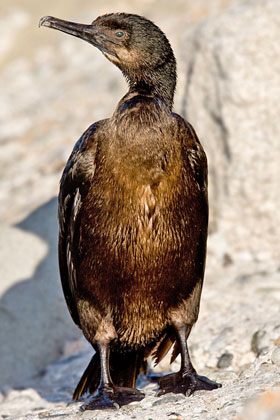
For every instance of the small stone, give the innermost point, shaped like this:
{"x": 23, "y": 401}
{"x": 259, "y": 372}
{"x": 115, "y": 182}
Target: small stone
{"x": 265, "y": 368}
{"x": 225, "y": 360}
{"x": 174, "y": 416}
{"x": 169, "y": 398}
{"x": 257, "y": 342}
{"x": 275, "y": 356}
{"x": 277, "y": 342}
{"x": 227, "y": 259}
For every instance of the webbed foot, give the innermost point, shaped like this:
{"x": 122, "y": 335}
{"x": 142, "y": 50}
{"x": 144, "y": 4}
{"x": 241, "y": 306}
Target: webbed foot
{"x": 112, "y": 398}
{"x": 185, "y": 383}
{"x": 123, "y": 395}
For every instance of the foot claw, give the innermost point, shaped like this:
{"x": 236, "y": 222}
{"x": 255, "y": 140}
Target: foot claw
{"x": 102, "y": 401}
{"x": 125, "y": 396}
{"x": 188, "y": 383}
{"x": 112, "y": 398}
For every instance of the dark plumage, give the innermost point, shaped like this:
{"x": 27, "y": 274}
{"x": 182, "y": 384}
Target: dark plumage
{"x": 133, "y": 217}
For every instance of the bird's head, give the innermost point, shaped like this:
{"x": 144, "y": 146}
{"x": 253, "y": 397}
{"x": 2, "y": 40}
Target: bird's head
{"x": 135, "y": 44}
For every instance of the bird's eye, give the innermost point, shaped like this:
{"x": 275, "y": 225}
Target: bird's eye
{"x": 119, "y": 34}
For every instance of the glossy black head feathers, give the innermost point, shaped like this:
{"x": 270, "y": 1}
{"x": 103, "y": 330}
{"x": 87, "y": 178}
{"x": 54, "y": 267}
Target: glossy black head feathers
{"x": 133, "y": 43}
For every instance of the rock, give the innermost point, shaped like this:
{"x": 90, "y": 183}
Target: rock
{"x": 277, "y": 342}
{"x": 258, "y": 342}
{"x": 51, "y": 395}
{"x": 265, "y": 368}
{"x": 16, "y": 403}
{"x": 232, "y": 98}
{"x": 34, "y": 319}
{"x": 225, "y": 360}
{"x": 169, "y": 398}
{"x": 13, "y": 244}
{"x": 265, "y": 407}
{"x": 275, "y": 356}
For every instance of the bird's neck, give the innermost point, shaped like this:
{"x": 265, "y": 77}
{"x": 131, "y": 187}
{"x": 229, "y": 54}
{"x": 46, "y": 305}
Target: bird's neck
{"x": 159, "y": 82}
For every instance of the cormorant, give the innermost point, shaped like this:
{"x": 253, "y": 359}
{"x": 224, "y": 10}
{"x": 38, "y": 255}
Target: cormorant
{"x": 133, "y": 216}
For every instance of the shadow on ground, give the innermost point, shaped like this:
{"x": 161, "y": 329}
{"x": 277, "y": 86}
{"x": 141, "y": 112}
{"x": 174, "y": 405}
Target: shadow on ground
{"x": 34, "y": 318}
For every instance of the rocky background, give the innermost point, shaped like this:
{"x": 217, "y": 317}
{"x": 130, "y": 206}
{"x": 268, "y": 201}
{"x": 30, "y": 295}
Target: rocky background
{"x": 52, "y": 88}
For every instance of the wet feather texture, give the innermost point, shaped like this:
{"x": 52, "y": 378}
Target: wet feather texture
{"x": 133, "y": 219}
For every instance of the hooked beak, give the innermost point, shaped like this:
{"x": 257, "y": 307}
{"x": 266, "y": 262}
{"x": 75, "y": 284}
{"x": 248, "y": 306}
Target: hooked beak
{"x": 89, "y": 33}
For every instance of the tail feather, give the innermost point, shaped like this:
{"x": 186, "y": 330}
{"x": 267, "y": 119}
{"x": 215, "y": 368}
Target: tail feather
{"x": 90, "y": 378}
{"x": 124, "y": 369}
{"x": 175, "y": 352}
{"x": 164, "y": 346}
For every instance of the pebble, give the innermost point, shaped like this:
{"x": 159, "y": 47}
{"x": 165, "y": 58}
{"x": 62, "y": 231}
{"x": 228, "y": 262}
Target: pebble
{"x": 169, "y": 398}
{"x": 257, "y": 342}
{"x": 225, "y": 360}
{"x": 277, "y": 342}
{"x": 275, "y": 356}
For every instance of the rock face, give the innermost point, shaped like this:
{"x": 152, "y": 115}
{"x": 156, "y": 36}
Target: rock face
{"x": 34, "y": 319}
{"x": 232, "y": 99}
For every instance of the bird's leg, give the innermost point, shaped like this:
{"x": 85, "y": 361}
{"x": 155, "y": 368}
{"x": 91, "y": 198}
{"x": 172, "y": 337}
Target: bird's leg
{"x": 186, "y": 381}
{"x": 110, "y": 396}
{"x": 106, "y": 384}
{"x": 104, "y": 398}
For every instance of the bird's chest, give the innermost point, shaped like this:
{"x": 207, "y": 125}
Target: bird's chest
{"x": 131, "y": 219}
{"x": 134, "y": 213}
{"x": 131, "y": 224}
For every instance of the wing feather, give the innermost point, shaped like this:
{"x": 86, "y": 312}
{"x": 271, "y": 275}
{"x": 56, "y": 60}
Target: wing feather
{"x": 74, "y": 185}
{"x": 195, "y": 158}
